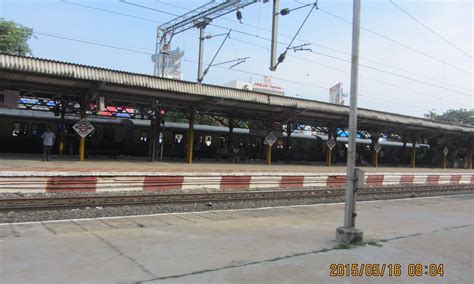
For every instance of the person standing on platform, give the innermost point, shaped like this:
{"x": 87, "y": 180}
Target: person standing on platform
{"x": 48, "y": 141}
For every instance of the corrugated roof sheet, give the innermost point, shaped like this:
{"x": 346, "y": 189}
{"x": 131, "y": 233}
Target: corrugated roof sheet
{"x": 83, "y": 72}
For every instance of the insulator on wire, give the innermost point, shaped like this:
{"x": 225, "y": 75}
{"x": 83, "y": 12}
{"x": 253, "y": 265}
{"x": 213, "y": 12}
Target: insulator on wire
{"x": 239, "y": 16}
{"x": 285, "y": 11}
{"x": 281, "y": 57}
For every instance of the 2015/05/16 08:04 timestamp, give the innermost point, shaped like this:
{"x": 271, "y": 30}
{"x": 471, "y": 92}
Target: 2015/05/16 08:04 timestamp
{"x": 380, "y": 270}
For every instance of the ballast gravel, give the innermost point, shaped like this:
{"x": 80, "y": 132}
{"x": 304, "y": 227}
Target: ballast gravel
{"x": 96, "y": 212}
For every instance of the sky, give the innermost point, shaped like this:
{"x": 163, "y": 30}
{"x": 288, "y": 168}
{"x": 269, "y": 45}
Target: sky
{"x": 407, "y": 66}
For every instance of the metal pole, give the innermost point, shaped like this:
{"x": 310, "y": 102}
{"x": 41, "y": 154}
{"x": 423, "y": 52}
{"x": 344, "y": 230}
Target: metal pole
{"x": 82, "y": 141}
{"x": 469, "y": 155}
{"x": 329, "y": 157}
{"x": 269, "y": 154}
{"x": 201, "y": 53}
{"x": 350, "y": 202}
{"x": 153, "y": 138}
{"x": 162, "y": 141}
{"x": 62, "y": 129}
{"x": 82, "y": 146}
{"x": 273, "y": 55}
{"x": 413, "y": 153}
{"x": 159, "y": 47}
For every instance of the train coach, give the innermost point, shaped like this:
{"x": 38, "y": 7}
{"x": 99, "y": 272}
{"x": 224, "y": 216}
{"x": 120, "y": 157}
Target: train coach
{"x": 20, "y": 132}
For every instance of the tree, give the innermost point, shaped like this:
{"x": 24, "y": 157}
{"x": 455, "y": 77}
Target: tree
{"x": 458, "y": 116}
{"x": 14, "y": 38}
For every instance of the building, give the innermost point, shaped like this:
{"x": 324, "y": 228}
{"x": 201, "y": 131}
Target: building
{"x": 264, "y": 87}
{"x": 336, "y": 94}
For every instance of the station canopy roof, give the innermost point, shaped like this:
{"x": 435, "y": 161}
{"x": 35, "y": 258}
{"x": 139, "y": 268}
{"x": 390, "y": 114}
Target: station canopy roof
{"x": 54, "y": 77}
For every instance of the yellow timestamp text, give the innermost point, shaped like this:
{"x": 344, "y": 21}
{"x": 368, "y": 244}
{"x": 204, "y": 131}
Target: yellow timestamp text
{"x": 385, "y": 269}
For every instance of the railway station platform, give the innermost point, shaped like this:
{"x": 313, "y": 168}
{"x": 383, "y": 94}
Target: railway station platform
{"x": 29, "y": 174}
{"x": 268, "y": 245}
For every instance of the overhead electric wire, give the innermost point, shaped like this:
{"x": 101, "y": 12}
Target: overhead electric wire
{"x": 430, "y": 29}
{"x": 362, "y": 76}
{"x": 396, "y": 42}
{"x": 93, "y": 43}
{"x": 108, "y": 45}
{"x": 245, "y": 33}
{"x": 315, "y": 5}
{"x": 215, "y": 55}
{"x": 110, "y": 12}
{"x": 263, "y": 38}
{"x": 149, "y": 8}
{"x": 366, "y": 66}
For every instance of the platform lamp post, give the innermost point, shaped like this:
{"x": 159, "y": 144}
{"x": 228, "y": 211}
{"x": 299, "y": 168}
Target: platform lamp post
{"x": 348, "y": 233}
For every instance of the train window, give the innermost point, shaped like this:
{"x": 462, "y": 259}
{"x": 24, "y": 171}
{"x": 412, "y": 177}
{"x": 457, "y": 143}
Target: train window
{"x": 94, "y": 134}
{"x": 280, "y": 144}
{"x": 208, "y": 140}
{"x": 37, "y": 129}
{"x": 178, "y": 137}
{"x": 144, "y": 136}
{"x": 108, "y": 133}
{"x": 20, "y": 129}
{"x": 299, "y": 145}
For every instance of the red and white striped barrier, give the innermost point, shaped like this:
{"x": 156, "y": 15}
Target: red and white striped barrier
{"x": 97, "y": 182}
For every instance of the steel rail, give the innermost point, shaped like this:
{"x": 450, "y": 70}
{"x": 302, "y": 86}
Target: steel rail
{"x": 72, "y": 202}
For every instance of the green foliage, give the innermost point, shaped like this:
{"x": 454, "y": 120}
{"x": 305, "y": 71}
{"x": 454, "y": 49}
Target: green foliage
{"x": 207, "y": 119}
{"x": 202, "y": 119}
{"x": 458, "y": 116}
{"x": 14, "y": 37}
{"x": 176, "y": 116}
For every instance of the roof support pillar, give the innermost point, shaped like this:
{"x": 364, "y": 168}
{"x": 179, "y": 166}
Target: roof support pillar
{"x": 445, "y": 160}
{"x": 404, "y": 152}
{"x": 289, "y": 131}
{"x": 269, "y": 155}
{"x": 62, "y": 128}
{"x": 230, "y": 152}
{"x": 155, "y": 126}
{"x": 191, "y": 118}
{"x": 413, "y": 151}
{"x": 470, "y": 150}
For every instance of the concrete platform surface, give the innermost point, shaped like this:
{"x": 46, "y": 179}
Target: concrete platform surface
{"x": 29, "y": 162}
{"x": 270, "y": 245}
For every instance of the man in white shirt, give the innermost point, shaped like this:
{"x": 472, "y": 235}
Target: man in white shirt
{"x": 48, "y": 141}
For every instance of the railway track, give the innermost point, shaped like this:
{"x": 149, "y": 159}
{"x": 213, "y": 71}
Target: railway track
{"x": 73, "y": 202}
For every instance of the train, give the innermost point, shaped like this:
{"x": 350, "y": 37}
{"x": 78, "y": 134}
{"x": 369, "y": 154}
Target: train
{"x": 21, "y": 130}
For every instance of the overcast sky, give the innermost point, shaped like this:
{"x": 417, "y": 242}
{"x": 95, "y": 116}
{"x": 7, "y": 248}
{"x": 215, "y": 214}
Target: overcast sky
{"x": 405, "y": 68}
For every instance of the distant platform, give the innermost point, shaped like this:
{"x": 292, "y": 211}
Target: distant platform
{"x": 28, "y": 173}
{"x": 28, "y": 163}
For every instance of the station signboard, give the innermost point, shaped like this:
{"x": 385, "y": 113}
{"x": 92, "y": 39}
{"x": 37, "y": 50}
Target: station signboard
{"x": 377, "y": 147}
{"x": 83, "y": 127}
{"x": 331, "y": 143}
{"x": 271, "y": 138}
